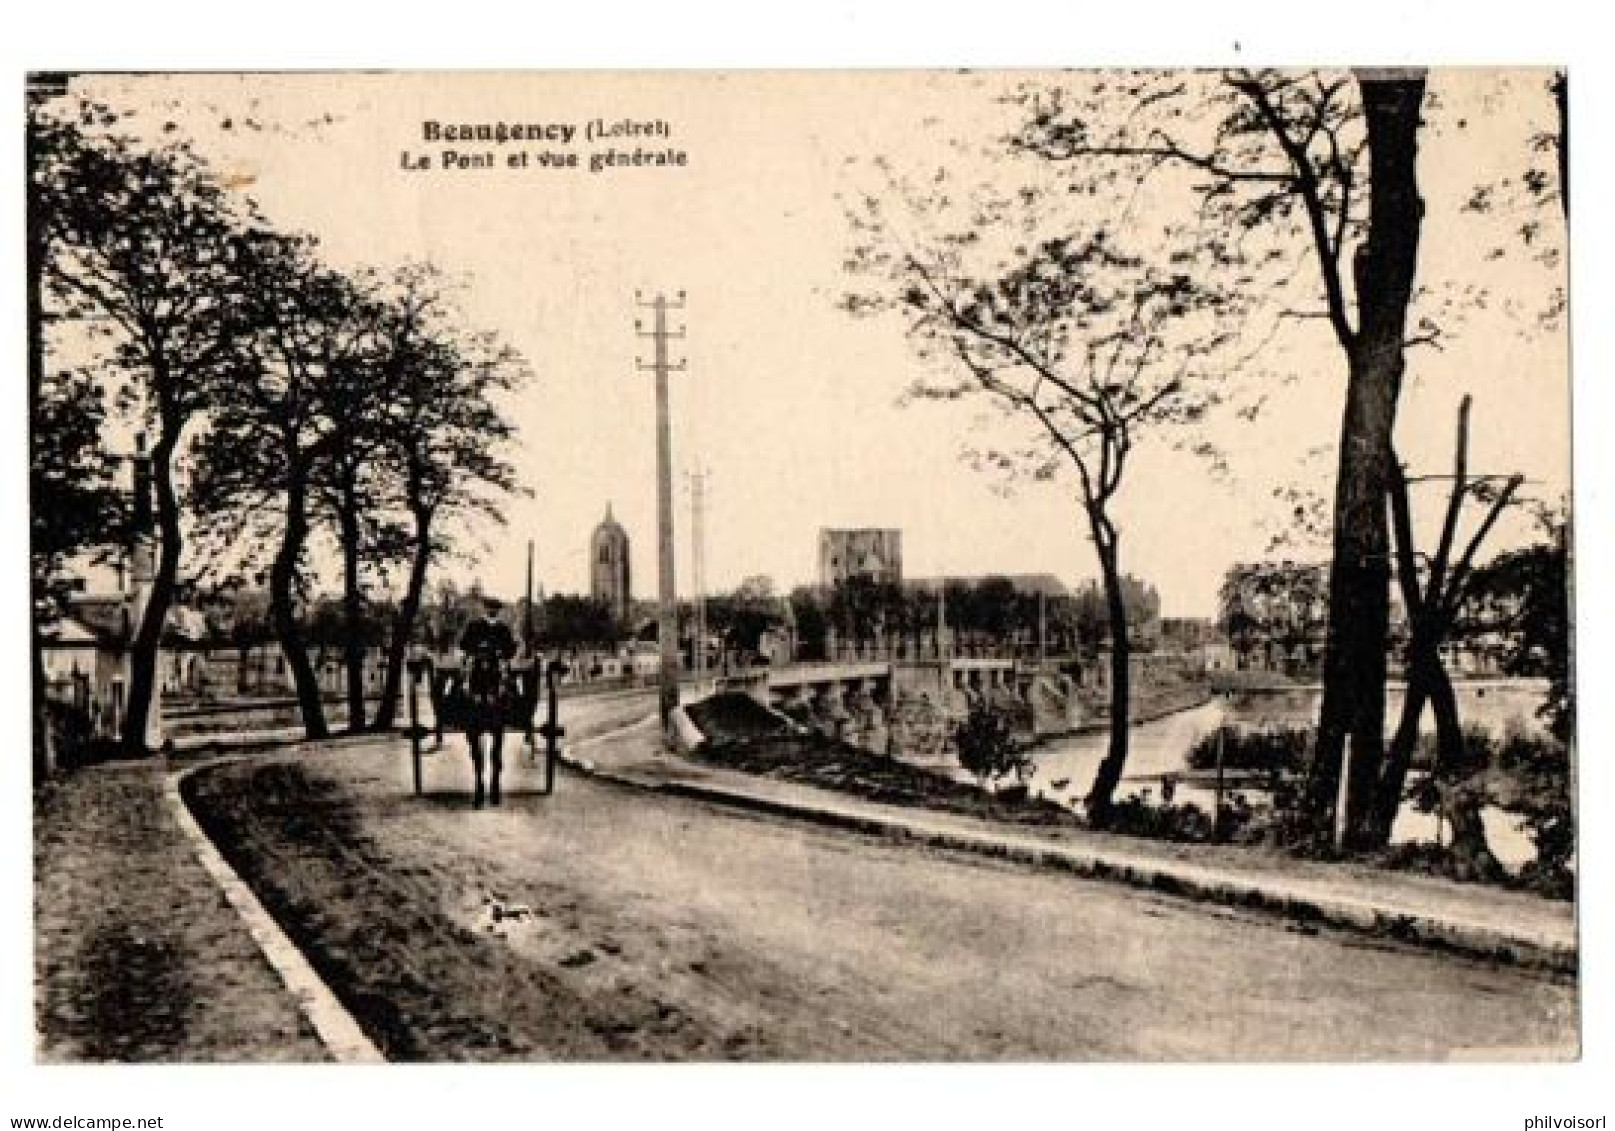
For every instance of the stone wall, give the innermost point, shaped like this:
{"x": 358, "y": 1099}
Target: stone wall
{"x": 1055, "y": 704}
{"x": 913, "y": 713}
{"x": 928, "y": 708}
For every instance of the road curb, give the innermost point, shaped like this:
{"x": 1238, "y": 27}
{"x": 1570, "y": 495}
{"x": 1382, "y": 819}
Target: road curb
{"x": 336, "y": 1028}
{"x": 1361, "y": 916}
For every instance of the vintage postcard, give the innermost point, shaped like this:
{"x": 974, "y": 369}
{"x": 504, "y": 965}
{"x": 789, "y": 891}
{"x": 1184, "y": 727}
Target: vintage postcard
{"x": 802, "y": 566}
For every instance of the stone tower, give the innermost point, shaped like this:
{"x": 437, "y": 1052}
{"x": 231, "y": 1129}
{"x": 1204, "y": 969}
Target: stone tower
{"x": 608, "y": 566}
{"x": 873, "y": 553}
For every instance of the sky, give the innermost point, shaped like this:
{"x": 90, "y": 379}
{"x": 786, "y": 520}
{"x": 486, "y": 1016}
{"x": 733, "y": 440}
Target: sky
{"x": 794, "y": 409}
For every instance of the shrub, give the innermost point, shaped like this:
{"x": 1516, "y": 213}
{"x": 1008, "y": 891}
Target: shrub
{"x": 76, "y": 742}
{"x": 1284, "y": 749}
{"x": 988, "y": 749}
{"x": 1546, "y": 880}
{"x": 1134, "y": 815}
{"x": 1287, "y": 822}
{"x": 1540, "y": 772}
{"x": 1419, "y": 856}
{"x": 1525, "y": 772}
{"x": 1016, "y": 794}
{"x": 1238, "y": 818}
{"x": 1480, "y": 750}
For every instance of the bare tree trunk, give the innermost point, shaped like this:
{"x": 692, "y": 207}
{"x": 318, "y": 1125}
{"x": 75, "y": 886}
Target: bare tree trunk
{"x": 1432, "y": 611}
{"x": 1449, "y": 728}
{"x": 1359, "y": 579}
{"x": 1398, "y": 760}
{"x": 404, "y": 626}
{"x": 147, "y": 644}
{"x": 353, "y": 648}
{"x": 1461, "y": 800}
{"x": 1359, "y": 594}
{"x": 283, "y": 613}
{"x": 1472, "y": 857}
{"x": 1101, "y": 796}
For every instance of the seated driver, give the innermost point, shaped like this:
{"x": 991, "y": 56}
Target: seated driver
{"x": 488, "y": 645}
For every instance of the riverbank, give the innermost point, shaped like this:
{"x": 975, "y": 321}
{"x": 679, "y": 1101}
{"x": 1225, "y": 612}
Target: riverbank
{"x": 827, "y": 764}
{"x": 1477, "y": 920}
{"x": 1053, "y": 792}
{"x": 1154, "y": 707}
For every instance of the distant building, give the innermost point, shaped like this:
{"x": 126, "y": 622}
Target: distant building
{"x": 872, "y": 553}
{"x": 608, "y": 570}
{"x": 1187, "y": 634}
{"x": 1200, "y": 640}
{"x": 87, "y": 652}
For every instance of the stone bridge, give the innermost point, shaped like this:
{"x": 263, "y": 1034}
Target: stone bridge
{"x": 910, "y": 707}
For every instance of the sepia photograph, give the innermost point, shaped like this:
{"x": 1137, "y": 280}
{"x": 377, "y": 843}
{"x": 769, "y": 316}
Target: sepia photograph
{"x": 836, "y": 566}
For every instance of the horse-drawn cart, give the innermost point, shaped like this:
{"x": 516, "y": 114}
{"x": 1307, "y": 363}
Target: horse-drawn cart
{"x": 460, "y": 701}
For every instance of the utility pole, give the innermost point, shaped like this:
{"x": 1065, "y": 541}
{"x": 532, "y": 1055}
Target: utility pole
{"x": 528, "y": 631}
{"x": 698, "y": 564}
{"x": 667, "y": 621}
{"x": 535, "y": 666}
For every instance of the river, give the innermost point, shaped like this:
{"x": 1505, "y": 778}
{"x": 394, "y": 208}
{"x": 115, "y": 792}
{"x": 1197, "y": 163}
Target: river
{"x": 1066, "y": 766}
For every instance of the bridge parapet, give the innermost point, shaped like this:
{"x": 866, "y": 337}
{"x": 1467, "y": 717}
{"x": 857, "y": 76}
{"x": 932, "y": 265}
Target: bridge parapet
{"x": 831, "y": 671}
{"x": 913, "y": 706}
{"x": 980, "y": 664}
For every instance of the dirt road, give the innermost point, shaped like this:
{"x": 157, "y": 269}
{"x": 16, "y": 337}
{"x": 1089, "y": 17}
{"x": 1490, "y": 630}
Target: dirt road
{"x": 604, "y": 923}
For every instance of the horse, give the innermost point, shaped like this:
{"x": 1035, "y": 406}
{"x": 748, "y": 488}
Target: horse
{"x": 486, "y": 698}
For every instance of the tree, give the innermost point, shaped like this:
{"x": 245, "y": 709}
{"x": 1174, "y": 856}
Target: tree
{"x": 863, "y": 609}
{"x": 74, "y": 506}
{"x": 1089, "y": 345}
{"x": 987, "y": 746}
{"x": 1141, "y": 599}
{"x": 1447, "y": 593}
{"x": 1266, "y": 605}
{"x": 272, "y": 426}
{"x": 757, "y": 590}
{"x": 812, "y": 622}
{"x": 246, "y": 625}
{"x": 1296, "y": 154}
{"x": 1435, "y": 591}
{"x": 74, "y": 503}
{"x": 448, "y": 437}
{"x": 443, "y": 620}
{"x": 356, "y": 483}
{"x": 997, "y": 611}
{"x": 573, "y": 622}
{"x": 745, "y": 615}
{"x": 1517, "y": 204}
{"x": 142, "y": 245}
{"x": 1082, "y": 618}
{"x": 1524, "y": 595}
